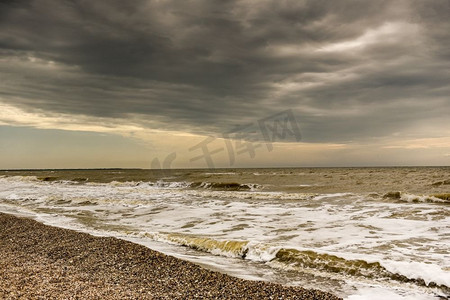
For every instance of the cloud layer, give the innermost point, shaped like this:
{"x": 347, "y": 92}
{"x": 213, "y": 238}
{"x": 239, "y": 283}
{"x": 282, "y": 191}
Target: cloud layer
{"x": 351, "y": 70}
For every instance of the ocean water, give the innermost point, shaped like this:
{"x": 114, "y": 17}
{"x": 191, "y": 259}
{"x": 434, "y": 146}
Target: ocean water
{"x": 361, "y": 233}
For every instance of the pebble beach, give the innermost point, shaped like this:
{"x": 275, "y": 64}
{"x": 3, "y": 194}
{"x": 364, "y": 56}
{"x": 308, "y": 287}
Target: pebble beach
{"x": 43, "y": 262}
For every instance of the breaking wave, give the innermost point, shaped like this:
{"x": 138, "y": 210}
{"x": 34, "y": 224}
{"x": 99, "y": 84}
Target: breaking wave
{"x": 219, "y": 186}
{"x": 411, "y": 198}
{"x": 225, "y": 186}
{"x": 420, "y": 274}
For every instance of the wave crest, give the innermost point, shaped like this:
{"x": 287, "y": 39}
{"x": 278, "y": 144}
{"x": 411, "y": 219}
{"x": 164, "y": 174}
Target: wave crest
{"x": 225, "y": 186}
{"x": 307, "y": 259}
{"x": 412, "y": 198}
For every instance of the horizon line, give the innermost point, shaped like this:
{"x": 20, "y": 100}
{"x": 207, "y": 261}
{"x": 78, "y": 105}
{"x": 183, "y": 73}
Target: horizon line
{"x": 223, "y": 168}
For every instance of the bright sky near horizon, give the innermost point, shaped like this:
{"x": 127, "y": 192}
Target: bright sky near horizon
{"x": 186, "y": 84}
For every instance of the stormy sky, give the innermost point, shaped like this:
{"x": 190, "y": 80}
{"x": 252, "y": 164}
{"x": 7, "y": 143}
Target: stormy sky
{"x": 119, "y": 83}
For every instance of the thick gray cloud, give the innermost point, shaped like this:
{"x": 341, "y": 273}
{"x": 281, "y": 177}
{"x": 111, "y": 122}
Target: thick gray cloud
{"x": 350, "y": 70}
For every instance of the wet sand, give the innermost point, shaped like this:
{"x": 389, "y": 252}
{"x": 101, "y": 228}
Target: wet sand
{"x": 43, "y": 262}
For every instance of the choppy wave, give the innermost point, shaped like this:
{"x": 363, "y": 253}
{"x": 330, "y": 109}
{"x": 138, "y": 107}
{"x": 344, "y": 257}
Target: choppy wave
{"x": 224, "y": 248}
{"x": 21, "y": 178}
{"x": 220, "y": 186}
{"x": 439, "y": 183}
{"x": 397, "y": 196}
{"x": 411, "y": 198}
{"x": 398, "y": 271}
{"x": 56, "y": 179}
{"x": 45, "y": 179}
{"x": 220, "y": 173}
{"x": 325, "y": 230}
{"x": 225, "y": 186}
{"x": 420, "y": 274}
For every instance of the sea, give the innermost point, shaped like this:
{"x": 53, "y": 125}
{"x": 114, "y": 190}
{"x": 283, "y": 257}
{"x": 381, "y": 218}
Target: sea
{"x": 360, "y": 233}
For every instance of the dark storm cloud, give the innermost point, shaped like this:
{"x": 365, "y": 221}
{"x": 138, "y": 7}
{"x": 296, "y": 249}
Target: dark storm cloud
{"x": 208, "y": 65}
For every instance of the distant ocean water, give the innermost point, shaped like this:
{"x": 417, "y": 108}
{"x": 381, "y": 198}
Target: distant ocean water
{"x": 361, "y": 233}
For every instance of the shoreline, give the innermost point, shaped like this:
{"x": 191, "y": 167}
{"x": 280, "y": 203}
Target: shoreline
{"x": 41, "y": 261}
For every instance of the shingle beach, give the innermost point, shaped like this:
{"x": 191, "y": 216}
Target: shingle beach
{"x": 43, "y": 262}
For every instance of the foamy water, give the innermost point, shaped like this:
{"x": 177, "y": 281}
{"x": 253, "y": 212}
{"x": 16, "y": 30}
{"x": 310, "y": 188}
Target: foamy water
{"x": 359, "y": 233}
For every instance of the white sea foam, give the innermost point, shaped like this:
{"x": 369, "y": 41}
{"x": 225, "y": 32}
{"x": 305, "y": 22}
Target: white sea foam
{"x": 407, "y": 239}
{"x": 376, "y": 292}
{"x": 221, "y": 173}
{"x": 428, "y": 272}
{"x": 421, "y": 198}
